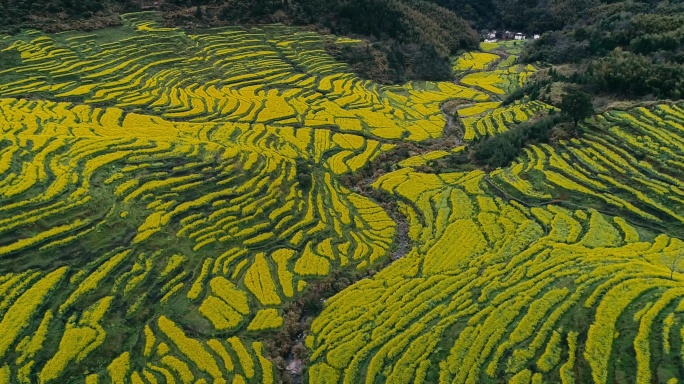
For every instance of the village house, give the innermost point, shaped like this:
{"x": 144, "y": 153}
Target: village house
{"x": 494, "y": 36}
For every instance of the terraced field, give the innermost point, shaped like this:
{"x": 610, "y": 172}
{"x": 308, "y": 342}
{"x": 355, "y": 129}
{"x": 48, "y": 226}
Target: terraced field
{"x": 274, "y": 75}
{"x": 558, "y": 268}
{"x": 166, "y": 195}
{"x": 496, "y": 289}
{"x": 630, "y": 160}
{"x": 489, "y": 119}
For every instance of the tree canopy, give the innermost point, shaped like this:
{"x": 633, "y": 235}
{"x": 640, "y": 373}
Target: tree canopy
{"x": 577, "y": 105}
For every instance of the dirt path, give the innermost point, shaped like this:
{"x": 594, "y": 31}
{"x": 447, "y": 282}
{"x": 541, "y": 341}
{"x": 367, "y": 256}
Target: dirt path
{"x": 294, "y": 365}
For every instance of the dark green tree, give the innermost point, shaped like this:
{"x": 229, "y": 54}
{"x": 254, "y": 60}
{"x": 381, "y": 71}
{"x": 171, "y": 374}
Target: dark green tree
{"x": 577, "y": 105}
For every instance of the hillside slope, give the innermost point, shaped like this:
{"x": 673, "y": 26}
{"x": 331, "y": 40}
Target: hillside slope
{"x": 411, "y": 39}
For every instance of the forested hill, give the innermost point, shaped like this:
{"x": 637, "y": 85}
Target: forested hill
{"x": 625, "y": 48}
{"x": 413, "y": 39}
{"x": 529, "y": 15}
{"x": 408, "y": 21}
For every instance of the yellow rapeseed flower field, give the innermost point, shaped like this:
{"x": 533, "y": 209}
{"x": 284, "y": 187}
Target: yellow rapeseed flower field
{"x": 203, "y": 206}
